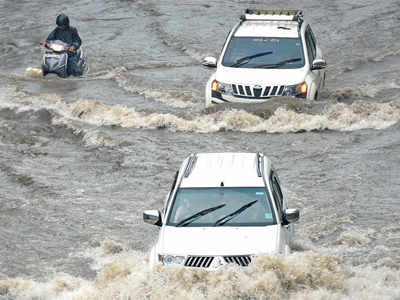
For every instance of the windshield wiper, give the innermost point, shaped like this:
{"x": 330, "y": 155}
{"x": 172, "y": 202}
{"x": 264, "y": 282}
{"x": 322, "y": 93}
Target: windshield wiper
{"x": 246, "y": 59}
{"x": 229, "y": 217}
{"x": 281, "y": 63}
{"x": 201, "y": 213}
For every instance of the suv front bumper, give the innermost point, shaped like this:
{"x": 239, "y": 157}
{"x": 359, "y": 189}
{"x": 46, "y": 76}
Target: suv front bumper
{"x": 218, "y": 98}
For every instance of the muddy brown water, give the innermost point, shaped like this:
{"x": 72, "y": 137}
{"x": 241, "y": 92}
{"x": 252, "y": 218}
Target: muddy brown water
{"x": 80, "y": 159}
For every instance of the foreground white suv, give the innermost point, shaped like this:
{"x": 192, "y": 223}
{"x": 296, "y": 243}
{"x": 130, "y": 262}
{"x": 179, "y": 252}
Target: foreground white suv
{"x": 222, "y": 208}
{"x": 267, "y": 54}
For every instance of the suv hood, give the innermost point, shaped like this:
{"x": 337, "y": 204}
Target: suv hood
{"x": 218, "y": 240}
{"x": 261, "y": 77}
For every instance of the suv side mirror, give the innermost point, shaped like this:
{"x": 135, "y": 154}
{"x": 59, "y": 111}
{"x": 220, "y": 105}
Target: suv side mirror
{"x": 152, "y": 217}
{"x": 210, "y": 62}
{"x": 292, "y": 215}
{"x": 318, "y": 64}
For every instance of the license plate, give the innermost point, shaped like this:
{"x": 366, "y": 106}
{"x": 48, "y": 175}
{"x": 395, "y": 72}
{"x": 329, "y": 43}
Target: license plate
{"x": 53, "y": 55}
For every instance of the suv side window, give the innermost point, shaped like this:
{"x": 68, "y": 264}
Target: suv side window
{"x": 313, "y": 39}
{"x": 277, "y": 193}
{"x": 311, "y": 48}
{"x": 278, "y": 188}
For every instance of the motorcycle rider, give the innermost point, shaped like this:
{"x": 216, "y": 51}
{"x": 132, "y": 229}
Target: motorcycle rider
{"x": 68, "y": 34}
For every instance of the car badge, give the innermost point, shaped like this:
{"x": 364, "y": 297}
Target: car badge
{"x": 218, "y": 262}
{"x": 258, "y": 86}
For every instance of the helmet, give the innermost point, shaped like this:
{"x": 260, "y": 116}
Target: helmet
{"x": 62, "y": 20}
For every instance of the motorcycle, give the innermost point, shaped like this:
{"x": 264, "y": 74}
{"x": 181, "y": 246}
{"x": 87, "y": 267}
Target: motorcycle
{"x": 56, "y": 59}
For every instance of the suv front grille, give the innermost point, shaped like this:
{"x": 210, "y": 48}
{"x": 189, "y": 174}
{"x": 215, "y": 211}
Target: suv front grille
{"x": 256, "y": 92}
{"x": 242, "y": 260}
{"x": 199, "y": 261}
{"x": 205, "y": 261}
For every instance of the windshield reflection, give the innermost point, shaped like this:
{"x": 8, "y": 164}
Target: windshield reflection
{"x": 289, "y": 50}
{"x": 190, "y": 201}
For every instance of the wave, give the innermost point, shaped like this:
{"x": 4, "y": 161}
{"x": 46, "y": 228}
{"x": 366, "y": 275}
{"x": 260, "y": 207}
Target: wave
{"x": 124, "y": 274}
{"x": 342, "y": 117}
{"x": 175, "y": 98}
{"x": 387, "y": 53}
{"x": 364, "y": 91}
{"x": 92, "y": 137}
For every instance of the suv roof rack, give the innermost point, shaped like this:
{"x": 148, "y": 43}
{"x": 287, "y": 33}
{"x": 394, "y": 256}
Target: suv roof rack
{"x": 190, "y": 165}
{"x": 260, "y": 164}
{"x": 273, "y": 15}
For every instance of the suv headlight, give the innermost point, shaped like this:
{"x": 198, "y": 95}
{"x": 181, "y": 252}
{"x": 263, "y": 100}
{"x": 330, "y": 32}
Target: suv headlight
{"x": 223, "y": 88}
{"x": 167, "y": 259}
{"x": 295, "y": 90}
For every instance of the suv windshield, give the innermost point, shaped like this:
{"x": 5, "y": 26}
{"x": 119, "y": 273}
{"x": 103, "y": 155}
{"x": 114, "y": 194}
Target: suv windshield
{"x": 263, "y": 52}
{"x": 224, "y": 206}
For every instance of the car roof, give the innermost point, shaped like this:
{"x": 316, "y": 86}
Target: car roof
{"x": 225, "y": 169}
{"x": 284, "y": 29}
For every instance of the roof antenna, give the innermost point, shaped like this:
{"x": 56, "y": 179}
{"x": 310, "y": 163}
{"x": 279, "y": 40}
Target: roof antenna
{"x": 222, "y": 183}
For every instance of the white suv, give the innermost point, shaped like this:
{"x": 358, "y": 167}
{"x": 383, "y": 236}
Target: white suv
{"x": 267, "y": 54}
{"x": 222, "y": 208}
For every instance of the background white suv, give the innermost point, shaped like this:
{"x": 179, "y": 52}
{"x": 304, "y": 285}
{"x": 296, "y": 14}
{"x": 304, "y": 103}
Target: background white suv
{"x": 267, "y": 54}
{"x": 222, "y": 208}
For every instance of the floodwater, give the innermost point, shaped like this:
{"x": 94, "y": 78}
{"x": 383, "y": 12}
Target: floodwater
{"x": 81, "y": 158}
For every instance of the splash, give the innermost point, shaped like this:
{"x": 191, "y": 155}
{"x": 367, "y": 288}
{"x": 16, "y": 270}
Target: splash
{"x": 306, "y": 275}
{"x": 33, "y": 72}
{"x": 352, "y": 238}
